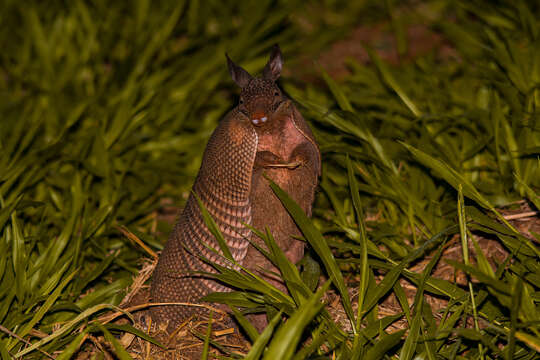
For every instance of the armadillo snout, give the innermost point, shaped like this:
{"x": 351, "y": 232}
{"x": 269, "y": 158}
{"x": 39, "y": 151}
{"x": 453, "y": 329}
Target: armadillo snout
{"x": 258, "y": 118}
{"x": 259, "y": 121}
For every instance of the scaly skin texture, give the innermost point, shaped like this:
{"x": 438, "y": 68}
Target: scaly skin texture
{"x": 223, "y": 185}
{"x": 264, "y": 134}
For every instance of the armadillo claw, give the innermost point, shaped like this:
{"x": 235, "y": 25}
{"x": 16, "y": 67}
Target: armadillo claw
{"x": 292, "y": 165}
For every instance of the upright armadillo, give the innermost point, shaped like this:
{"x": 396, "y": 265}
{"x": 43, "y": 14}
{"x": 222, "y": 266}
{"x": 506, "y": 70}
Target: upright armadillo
{"x": 264, "y": 134}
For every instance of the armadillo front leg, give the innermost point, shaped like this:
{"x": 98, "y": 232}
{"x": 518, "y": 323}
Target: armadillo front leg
{"x": 223, "y": 184}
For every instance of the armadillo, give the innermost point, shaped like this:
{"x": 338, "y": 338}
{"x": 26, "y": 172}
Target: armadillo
{"x": 264, "y": 134}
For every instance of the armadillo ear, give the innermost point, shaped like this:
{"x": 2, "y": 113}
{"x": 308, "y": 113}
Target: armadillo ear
{"x": 272, "y": 70}
{"x": 239, "y": 75}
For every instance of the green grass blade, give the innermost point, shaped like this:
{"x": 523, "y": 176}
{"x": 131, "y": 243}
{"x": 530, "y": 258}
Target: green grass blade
{"x": 260, "y": 344}
{"x": 531, "y": 341}
{"x": 391, "y": 81}
{"x": 120, "y": 351}
{"x": 45, "y": 307}
{"x": 385, "y": 344}
{"x": 337, "y": 91}
{"x": 133, "y": 330}
{"x": 73, "y": 346}
{"x": 364, "y": 267}
{"x": 288, "y": 335}
{"x": 66, "y": 327}
{"x": 4, "y": 353}
{"x": 514, "y": 314}
{"x": 317, "y": 241}
{"x": 206, "y": 344}
{"x": 249, "y": 329}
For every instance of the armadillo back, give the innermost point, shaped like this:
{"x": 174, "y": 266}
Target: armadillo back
{"x": 223, "y": 185}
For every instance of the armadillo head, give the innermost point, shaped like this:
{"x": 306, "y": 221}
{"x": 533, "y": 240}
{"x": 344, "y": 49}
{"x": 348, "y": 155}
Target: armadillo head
{"x": 259, "y": 97}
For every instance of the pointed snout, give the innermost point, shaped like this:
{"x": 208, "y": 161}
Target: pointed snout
{"x": 259, "y": 117}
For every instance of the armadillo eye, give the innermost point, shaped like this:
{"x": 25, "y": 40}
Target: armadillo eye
{"x": 276, "y": 94}
{"x": 241, "y": 101}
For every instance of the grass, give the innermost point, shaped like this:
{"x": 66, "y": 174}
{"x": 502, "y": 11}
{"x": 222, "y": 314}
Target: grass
{"x": 106, "y": 108}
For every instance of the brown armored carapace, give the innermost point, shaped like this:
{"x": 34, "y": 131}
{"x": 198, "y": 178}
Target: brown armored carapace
{"x": 264, "y": 134}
